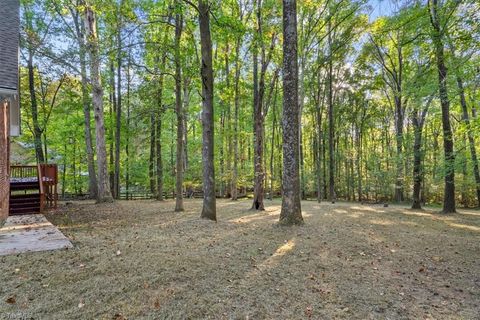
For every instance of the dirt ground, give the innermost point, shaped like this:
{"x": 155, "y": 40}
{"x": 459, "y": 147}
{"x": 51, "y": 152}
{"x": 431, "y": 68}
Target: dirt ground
{"x": 140, "y": 260}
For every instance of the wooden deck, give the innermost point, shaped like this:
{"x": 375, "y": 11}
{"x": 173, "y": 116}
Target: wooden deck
{"x": 33, "y": 188}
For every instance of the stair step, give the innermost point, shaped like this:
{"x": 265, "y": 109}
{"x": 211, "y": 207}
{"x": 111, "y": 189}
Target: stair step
{"x": 24, "y": 211}
{"x": 30, "y": 205}
{"x": 24, "y": 205}
{"x": 24, "y": 196}
{"x": 24, "y": 186}
{"x": 15, "y": 211}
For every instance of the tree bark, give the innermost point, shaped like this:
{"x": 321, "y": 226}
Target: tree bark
{"x": 437, "y": 37}
{"x": 118, "y": 111}
{"x": 111, "y": 112}
{"x": 158, "y": 150}
{"x": 272, "y": 145}
{"x": 471, "y": 138}
{"x": 235, "y": 121}
{"x": 259, "y": 175}
{"x": 418, "y": 119}
{"x": 228, "y": 184}
{"x": 180, "y": 115}
{"x": 331, "y": 122}
{"x": 92, "y": 176}
{"x": 103, "y": 187}
{"x": 37, "y": 131}
{"x": 127, "y": 142}
{"x": 209, "y": 200}
{"x": 291, "y": 212}
{"x": 151, "y": 161}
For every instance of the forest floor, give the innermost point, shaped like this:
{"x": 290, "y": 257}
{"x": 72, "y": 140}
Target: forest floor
{"x": 140, "y": 260}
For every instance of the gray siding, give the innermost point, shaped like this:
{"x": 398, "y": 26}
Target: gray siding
{"x": 9, "y": 38}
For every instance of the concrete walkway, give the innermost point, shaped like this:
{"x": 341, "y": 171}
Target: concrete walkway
{"x": 30, "y": 233}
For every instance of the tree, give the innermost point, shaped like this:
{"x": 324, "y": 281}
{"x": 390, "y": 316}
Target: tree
{"x": 437, "y": 38}
{"x": 260, "y": 108}
{"x": 103, "y": 187}
{"x": 209, "y": 200}
{"x": 80, "y": 37}
{"x": 180, "y": 114}
{"x": 291, "y": 212}
{"x": 466, "y": 117}
{"x": 33, "y": 40}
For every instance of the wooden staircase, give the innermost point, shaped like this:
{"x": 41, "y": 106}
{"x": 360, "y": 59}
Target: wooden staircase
{"x": 25, "y": 204}
{"x": 32, "y": 188}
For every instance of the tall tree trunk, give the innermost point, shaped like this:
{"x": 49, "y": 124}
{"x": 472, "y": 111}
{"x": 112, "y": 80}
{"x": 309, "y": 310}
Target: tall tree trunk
{"x": 158, "y": 150}
{"x": 222, "y": 137}
{"x": 103, "y": 187}
{"x": 320, "y": 100}
{"x": 64, "y": 169}
{"x": 180, "y": 115}
{"x": 92, "y": 176}
{"x": 258, "y": 190}
{"x": 301, "y": 98}
{"x": 112, "y": 111}
{"x": 235, "y": 121}
{"x": 399, "y": 117}
{"x": 324, "y": 164}
{"x": 359, "y": 162}
{"x": 209, "y": 200}
{"x": 37, "y": 131}
{"x": 228, "y": 184}
{"x": 291, "y": 212}
{"x": 331, "y": 122}
{"x": 186, "y": 102}
{"x": 418, "y": 119}
{"x": 151, "y": 162}
{"x": 272, "y": 145}
{"x": 127, "y": 142}
{"x": 398, "y": 196}
{"x": 74, "y": 164}
{"x": 437, "y": 37}
{"x": 158, "y": 136}
{"x": 471, "y": 138}
{"x": 118, "y": 111}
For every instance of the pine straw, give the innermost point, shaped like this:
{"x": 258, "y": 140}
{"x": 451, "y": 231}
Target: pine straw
{"x": 140, "y": 260}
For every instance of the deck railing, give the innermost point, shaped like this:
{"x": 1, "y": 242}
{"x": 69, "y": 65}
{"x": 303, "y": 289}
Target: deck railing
{"x": 49, "y": 173}
{"x": 23, "y": 171}
{"x": 47, "y": 177}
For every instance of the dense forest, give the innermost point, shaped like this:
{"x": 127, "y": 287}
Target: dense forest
{"x": 156, "y": 97}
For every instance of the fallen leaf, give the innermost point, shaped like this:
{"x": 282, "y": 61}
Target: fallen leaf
{"x": 119, "y": 316}
{"x": 156, "y": 304}
{"x": 11, "y": 300}
{"x": 308, "y": 312}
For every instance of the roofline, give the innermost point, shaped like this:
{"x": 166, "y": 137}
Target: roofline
{"x": 8, "y": 91}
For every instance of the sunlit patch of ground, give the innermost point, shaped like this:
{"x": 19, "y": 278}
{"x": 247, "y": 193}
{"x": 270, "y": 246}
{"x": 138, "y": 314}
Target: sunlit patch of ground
{"x": 140, "y": 260}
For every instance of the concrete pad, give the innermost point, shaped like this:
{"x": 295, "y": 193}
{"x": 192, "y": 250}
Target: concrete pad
{"x": 30, "y": 233}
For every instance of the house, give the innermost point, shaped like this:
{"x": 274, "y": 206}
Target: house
{"x": 9, "y": 95}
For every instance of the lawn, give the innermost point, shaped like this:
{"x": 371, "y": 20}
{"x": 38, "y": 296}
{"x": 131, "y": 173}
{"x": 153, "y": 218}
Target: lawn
{"x": 140, "y": 260}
